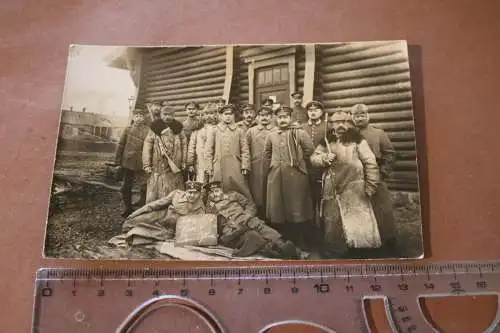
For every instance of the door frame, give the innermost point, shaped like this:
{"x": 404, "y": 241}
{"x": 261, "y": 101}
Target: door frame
{"x": 282, "y": 60}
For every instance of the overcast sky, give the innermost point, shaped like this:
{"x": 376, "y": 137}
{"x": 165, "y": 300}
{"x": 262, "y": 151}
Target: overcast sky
{"x": 92, "y": 84}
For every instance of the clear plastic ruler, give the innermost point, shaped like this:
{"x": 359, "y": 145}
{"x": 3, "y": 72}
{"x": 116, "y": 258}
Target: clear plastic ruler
{"x": 251, "y": 299}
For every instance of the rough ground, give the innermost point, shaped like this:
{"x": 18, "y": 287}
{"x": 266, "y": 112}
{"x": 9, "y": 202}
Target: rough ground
{"x": 82, "y": 221}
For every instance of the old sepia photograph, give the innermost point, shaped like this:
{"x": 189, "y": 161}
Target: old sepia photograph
{"x": 236, "y": 152}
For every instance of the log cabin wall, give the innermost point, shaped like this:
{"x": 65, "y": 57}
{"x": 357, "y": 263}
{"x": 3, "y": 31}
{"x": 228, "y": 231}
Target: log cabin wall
{"x": 182, "y": 74}
{"x": 378, "y": 75}
{"x": 374, "y": 73}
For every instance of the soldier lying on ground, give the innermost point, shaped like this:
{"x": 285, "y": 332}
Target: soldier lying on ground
{"x": 240, "y": 229}
{"x": 165, "y": 211}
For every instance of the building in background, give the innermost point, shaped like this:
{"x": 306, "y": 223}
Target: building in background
{"x": 82, "y": 124}
{"x": 339, "y": 75}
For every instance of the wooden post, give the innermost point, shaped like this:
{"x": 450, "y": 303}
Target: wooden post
{"x": 310, "y": 69}
{"x": 229, "y": 72}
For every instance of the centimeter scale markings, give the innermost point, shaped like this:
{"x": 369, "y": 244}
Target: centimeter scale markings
{"x": 251, "y": 299}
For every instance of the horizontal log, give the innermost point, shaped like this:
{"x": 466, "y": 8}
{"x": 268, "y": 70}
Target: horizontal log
{"x": 218, "y": 91}
{"x": 357, "y": 73}
{"x": 395, "y": 126}
{"x": 186, "y": 73}
{"x": 178, "y": 105}
{"x": 162, "y": 51}
{"x": 404, "y": 175}
{"x": 187, "y": 91}
{"x": 191, "y": 53}
{"x": 391, "y": 115}
{"x": 345, "y": 48}
{"x": 166, "y": 80}
{"x": 366, "y": 82}
{"x": 401, "y": 136}
{"x": 167, "y": 69}
{"x": 406, "y": 154}
{"x": 372, "y": 52}
{"x": 402, "y": 165}
{"x": 389, "y": 107}
{"x": 154, "y": 86}
{"x": 372, "y": 99}
{"x": 365, "y": 63}
{"x": 372, "y": 90}
{"x": 404, "y": 145}
{"x": 180, "y": 60}
{"x": 243, "y": 82}
{"x": 187, "y": 51}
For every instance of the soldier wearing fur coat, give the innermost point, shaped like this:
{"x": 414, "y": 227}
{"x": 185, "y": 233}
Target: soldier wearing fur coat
{"x": 350, "y": 179}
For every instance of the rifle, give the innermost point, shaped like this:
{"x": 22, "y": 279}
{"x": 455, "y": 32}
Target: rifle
{"x": 163, "y": 150}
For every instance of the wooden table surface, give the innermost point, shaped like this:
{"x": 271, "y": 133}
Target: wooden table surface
{"x": 456, "y": 109}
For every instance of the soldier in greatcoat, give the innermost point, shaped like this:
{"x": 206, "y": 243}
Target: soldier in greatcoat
{"x": 227, "y": 153}
{"x": 197, "y": 161}
{"x": 256, "y": 138}
{"x": 384, "y": 152}
{"x": 350, "y": 179}
{"x": 129, "y": 157}
{"x": 316, "y": 128}
{"x": 289, "y": 206}
{"x": 240, "y": 229}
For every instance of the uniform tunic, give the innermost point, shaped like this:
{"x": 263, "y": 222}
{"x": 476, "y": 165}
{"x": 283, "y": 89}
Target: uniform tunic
{"x": 227, "y": 154}
{"x": 256, "y": 137}
{"x": 317, "y": 131}
{"x": 165, "y": 211}
{"x": 129, "y": 151}
{"x": 288, "y": 190}
{"x": 245, "y": 126}
{"x": 196, "y": 156}
{"x": 238, "y": 216}
{"x": 163, "y": 180}
{"x": 129, "y": 156}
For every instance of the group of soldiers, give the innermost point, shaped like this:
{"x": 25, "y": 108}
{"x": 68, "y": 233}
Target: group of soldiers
{"x": 278, "y": 179}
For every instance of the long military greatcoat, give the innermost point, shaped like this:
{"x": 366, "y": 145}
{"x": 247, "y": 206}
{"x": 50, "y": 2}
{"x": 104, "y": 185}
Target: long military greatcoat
{"x": 288, "y": 190}
{"x": 256, "y": 138}
{"x": 227, "y": 154}
{"x": 196, "y": 155}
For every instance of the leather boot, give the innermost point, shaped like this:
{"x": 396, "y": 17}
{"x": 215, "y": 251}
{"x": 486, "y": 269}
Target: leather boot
{"x": 127, "y": 202}
{"x": 287, "y": 250}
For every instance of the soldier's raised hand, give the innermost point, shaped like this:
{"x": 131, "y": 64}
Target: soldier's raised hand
{"x": 329, "y": 158}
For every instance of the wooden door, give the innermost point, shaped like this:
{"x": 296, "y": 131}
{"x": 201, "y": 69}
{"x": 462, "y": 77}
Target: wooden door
{"x": 272, "y": 82}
